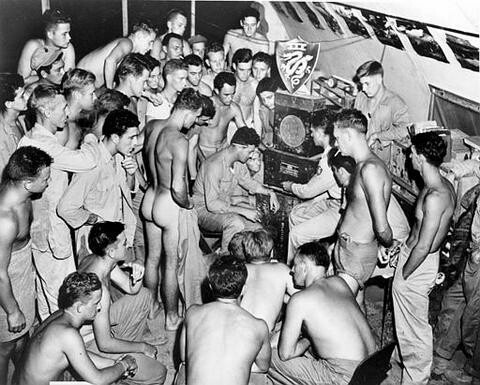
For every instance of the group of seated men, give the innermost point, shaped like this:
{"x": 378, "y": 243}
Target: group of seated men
{"x": 106, "y": 153}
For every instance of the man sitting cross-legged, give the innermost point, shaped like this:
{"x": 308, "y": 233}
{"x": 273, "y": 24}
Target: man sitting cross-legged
{"x": 336, "y": 335}
{"x": 267, "y": 281}
{"x": 129, "y": 313}
{"x": 220, "y": 341}
{"x": 57, "y": 343}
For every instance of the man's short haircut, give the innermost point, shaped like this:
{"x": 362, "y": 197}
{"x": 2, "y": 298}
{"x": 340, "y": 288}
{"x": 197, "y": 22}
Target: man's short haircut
{"x": 144, "y": 25}
{"x": 193, "y": 60}
{"x": 43, "y": 96}
{"x": 173, "y": 65}
{"x": 337, "y": 160}
{"x": 235, "y": 246}
{"x": 25, "y": 164}
{"x": 263, "y": 58}
{"x": 431, "y": 146}
{"x": 323, "y": 119}
{"x": 368, "y": 68}
{"x": 242, "y": 55}
{"x": 188, "y": 99}
{"x": 208, "y": 108}
{"x": 76, "y": 79}
{"x": 258, "y": 245}
{"x": 110, "y": 100}
{"x": 245, "y": 136}
{"x": 213, "y": 47}
{"x": 227, "y": 276}
{"x": 250, "y": 12}
{"x": 315, "y": 252}
{"x": 9, "y": 84}
{"x": 102, "y": 235}
{"x": 224, "y": 78}
{"x": 77, "y": 287}
{"x": 173, "y": 13}
{"x": 52, "y": 17}
{"x": 118, "y": 122}
{"x": 150, "y": 62}
{"x": 267, "y": 84}
{"x": 132, "y": 64}
{"x": 169, "y": 36}
{"x": 351, "y": 118}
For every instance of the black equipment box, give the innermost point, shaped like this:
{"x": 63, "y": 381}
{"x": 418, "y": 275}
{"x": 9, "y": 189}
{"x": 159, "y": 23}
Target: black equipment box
{"x": 292, "y": 122}
{"x": 277, "y": 223}
{"x": 280, "y": 166}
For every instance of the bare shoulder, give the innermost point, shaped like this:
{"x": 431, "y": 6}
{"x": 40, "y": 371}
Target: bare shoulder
{"x": 373, "y": 169}
{"x": 8, "y": 224}
{"x": 33, "y": 44}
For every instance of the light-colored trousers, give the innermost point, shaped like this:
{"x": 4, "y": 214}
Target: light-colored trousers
{"x": 310, "y": 221}
{"x": 410, "y": 305}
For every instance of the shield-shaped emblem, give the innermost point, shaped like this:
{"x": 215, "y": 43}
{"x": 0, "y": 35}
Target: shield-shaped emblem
{"x": 296, "y": 61}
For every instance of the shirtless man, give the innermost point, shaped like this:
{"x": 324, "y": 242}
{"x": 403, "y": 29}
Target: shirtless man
{"x": 246, "y": 84}
{"x": 195, "y": 74}
{"x": 57, "y": 343}
{"x": 334, "y": 342}
{"x": 247, "y": 36}
{"x": 220, "y": 341}
{"x": 57, "y": 36}
{"x": 103, "y": 61}
{"x": 215, "y": 61}
{"x": 165, "y": 158}
{"x": 26, "y": 174}
{"x": 176, "y": 23}
{"x": 364, "y": 223}
{"x": 213, "y": 137}
{"x": 121, "y": 324}
{"x": 418, "y": 261}
{"x": 267, "y": 282}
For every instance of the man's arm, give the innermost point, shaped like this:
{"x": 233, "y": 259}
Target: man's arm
{"x": 237, "y": 115}
{"x": 372, "y": 175}
{"x": 15, "y": 317}
{"x": 123, "y": 48}
{"x": 129, "y": 283}
{"x": 192, "y": 156}
{"x": 78, "y": 357}
{"x": 226, "y": 47}
{"x": 156, "y": 48}
{"x": 432, "y": 213}
{"x": 290, "y": 346}
{"x": 179, "y": 183}
{"x": 262, "y": 361}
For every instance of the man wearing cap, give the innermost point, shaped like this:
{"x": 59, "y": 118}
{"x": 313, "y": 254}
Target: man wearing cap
{"x": 199, "y": 45}
{"x": 57, "y": 37}
{"x": 49, "y": 65}
{"x": 213, "y": 193}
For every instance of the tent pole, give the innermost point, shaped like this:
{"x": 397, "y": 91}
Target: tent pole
{"x": 125, "y": 17}
{"x": 192, "y": 17}
{"x": 45, "y": 5}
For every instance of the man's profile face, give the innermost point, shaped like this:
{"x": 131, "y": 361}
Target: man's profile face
{"x": 56, "y": 72}
{"x": 245, "y": 152}
{"x": 194, "y": 75}
{"x": 60, "y": 35}
{"x": 216, "y": 61}
{"x": 191, "y": 117}
{"x": 91, "y": 305}
{"x": 416, "y": 164}
{"x": 128, "y": 141}
{"x": 58, "y": 112}
{"x": 371, "y": 85}
{"x": 138, "y": 83}
{"x": 118, "y": 250}
{"x": 341, "y": 175}
{"x": 299, "y": 271}
{"x": 87, "y": 97}
{"x": 19, "y": 102}
{"x": 260, "y": 70}
{"x": 268, "y": 99}
{"x": 144, "y": 41}
{"x": 174, "y": 49}
{"x": 39, "y": 184}
{"x": 199, "y": 49}
{"x": 178, "y": 79}
{"x": 226, "y": 94}
{"x": 342, "y": 140}
{"x": 249, "y": 25}
{"x": 319, "y": 137}
{"x": 243, "y": 71}
{"x": 177, "y": 24}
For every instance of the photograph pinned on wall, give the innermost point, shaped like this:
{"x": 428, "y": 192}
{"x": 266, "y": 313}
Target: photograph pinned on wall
{"x": 311, "y": 15}
{"x": 383, "y": 29}
{"x": 328, "y": 17}
{"x": 465, "y": 52}
{"x": 353, "y": 22}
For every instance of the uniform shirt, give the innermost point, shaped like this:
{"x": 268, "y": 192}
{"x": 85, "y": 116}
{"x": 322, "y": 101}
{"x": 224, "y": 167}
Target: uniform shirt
{"x": 322, "y": 182}
{"x": 48, "y": 230}
{"x": 8, "y": 142}
{"x": 102, "y": 191}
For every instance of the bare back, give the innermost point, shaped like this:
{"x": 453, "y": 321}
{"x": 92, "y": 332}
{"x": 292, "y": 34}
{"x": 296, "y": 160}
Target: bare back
{"x": 265, "y": 290}
{"x": 152, "y": 133}
{"x": 223, "y": 341}
{"x": 19, "y": 217}
{"x": 364, "y": 204}
{"x": 439, "y": 204}
{"x": 333, "y": 320}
